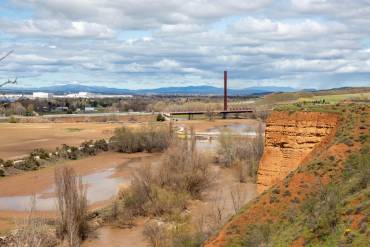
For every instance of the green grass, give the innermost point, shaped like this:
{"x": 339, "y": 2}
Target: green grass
{"x": 336, "y": 98}
{"x": 323, "y": 218}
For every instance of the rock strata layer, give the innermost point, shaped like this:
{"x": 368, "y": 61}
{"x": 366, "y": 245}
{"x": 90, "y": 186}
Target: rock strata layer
{"x": 289, "y": 139}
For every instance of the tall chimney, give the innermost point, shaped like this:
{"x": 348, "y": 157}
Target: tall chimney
{"x": 225, "y": 90}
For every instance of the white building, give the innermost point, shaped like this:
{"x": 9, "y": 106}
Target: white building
{"x": 42, "y": 95}
{"x": 92, "y": 95}
{"x": 80, "y": 95}
{"x": 89, "y": 109}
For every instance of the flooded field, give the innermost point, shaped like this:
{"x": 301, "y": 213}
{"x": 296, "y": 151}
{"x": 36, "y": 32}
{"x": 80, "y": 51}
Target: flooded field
{"x": 101, "y": 186}
{"x": 105, "y": 173}
{"x": 224, "y": 183}
{"x": 102, "y": 175}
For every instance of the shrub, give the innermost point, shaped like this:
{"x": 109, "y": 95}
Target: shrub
{"x": 182, "y": 173}
{"x": 88, "y": 148}
{"x": 30, "y": 163}
{"x": 157, "y": 235}
{"x": 184, "y": 169}
{"x": 257, "y": 235}
{"x": 357, "y": 171}
{"x": 160, "y": 118}
{"x": 166, "y": 201}
{"x": 41, "y": 153}
{"x": 322, "y": 210}
{"x": 136, "y": 197}
{"x": 2, "y": 172}
{"x": 287, "y": 193}
{"x": 13, "y": 119}
{"x": 8, "y": 163}
{"x": 101, "y": 145}
{"x": 68, "y": 152}
{"x": 149, "y": 138}
{"x": 155, "y": 138}
{"x": 182, "y": 237}
{"x": 126, "y": 141}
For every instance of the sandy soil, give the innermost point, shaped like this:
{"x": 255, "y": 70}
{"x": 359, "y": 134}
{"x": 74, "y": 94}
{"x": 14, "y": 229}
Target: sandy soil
{"x": 21, "y": 138}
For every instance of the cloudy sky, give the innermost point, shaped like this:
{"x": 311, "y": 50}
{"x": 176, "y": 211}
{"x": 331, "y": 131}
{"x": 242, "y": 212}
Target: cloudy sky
{"x": 155, "y": 43}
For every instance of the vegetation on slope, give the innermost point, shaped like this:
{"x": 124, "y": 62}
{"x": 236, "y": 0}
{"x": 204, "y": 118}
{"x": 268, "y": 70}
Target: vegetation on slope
{"x": 325, "y": 202}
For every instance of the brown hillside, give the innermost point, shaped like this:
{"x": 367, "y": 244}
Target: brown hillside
{"x": 328, "y": 165}
{"x": 289, "y": 139}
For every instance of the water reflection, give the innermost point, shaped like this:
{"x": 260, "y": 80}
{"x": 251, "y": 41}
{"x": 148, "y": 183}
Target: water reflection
{"x": 240, "y": 129}
{"x": 101, "y": 186}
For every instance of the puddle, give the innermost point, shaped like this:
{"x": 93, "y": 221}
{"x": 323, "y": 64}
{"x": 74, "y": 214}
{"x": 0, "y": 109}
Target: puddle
{"x": 101, "y": 186}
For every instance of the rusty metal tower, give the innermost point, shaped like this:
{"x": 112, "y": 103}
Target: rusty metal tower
{"x": 225, "y": 90}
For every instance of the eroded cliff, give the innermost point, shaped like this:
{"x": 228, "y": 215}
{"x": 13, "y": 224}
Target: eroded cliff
{"x": 289, "y": 140}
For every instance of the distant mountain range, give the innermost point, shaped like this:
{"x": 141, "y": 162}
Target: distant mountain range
{"x": 187, "y": 90}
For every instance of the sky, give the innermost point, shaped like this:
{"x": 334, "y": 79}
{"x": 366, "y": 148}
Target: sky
{"x": 158, "y": 43}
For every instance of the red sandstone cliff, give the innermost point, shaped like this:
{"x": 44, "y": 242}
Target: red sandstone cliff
{"x": 289, "y": 139}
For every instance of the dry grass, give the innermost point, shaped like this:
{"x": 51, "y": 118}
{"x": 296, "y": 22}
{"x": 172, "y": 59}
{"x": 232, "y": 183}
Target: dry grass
{"x": 32, "y": 231}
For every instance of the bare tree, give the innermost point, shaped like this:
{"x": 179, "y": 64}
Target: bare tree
{"x": 8, "y": 81}
{"x": 238, "y": 196}
{"x": 217, "y": 209}
{"x": 72, "y": 206}
{"x": 6, "y": 55}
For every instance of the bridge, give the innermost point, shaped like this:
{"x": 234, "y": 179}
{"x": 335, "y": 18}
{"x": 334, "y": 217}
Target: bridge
{"x": 223, "y": 112}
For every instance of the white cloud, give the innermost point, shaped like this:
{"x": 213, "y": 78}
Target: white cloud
{"x": 269, "y": 29}
{"x": 157, "y": 43}
{"x": 139, "y": 14}
{"x": 74, "y": 29}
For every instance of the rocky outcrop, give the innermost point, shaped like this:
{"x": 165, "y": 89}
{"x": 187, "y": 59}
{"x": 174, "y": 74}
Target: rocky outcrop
{"x": 289, "y": 140}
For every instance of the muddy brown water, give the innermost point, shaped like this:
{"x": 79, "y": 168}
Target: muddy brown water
{"x": 103, "y": 174}
{"x": 218, "y": 196}
{"x": 101, "y": 186}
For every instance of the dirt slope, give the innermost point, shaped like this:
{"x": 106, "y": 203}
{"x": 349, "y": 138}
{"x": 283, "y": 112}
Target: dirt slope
{"x": 289, "y": 138}
{"x": 324, "y": 202}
